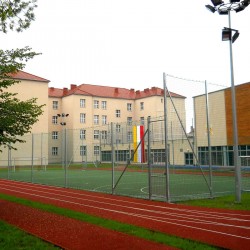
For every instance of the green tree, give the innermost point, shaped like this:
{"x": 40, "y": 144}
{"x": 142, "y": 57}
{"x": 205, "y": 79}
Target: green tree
{"x": 16, "y": 117}
{"x": 16, "y": 14}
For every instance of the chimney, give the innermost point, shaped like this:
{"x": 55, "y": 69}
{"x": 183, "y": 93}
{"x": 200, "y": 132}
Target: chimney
{"x": 65, "y": 91}
{"x": 72, "y": 86}
{"x": 116, "y": 90}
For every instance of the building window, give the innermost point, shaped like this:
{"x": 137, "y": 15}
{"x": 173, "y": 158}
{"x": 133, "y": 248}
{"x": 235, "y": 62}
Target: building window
{"x": 104, "y": 135}
{"x": 96, "y": 150}
{"x": 82, "y": 134}
{"x": 96, "y": 104}
{"x": 96, "y": 134}
{"x": 130, "y": 136}
{"x": 54, "y": 151}
{"x": 129, "y": 120}
{"x": 54, "y": 135}
{"x": 141, "y": 105}
{"x": 189, "y": 159}
{"x": 96, "y": 119}
{"x": 104, "y": 119}
{"x": 118, "y": 128}
{"x": 55, "y": 104}
{"x": 82, "y": 118}
{"x": 104, "y": 105}
{"x": 83, "y": 150}
{"x": 142, "y": 121}
{"x": 82, "y": 103}
{"x": 54, "y": 119}
{"x": 118, "y": 113}
{"x": 129, "y": 106}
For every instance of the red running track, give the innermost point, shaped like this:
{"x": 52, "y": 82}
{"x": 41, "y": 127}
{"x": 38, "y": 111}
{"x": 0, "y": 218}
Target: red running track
{"x": 224, "y": 228}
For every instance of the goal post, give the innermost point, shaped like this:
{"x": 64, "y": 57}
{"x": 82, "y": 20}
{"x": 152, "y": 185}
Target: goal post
{"x": 25, "y": 163}
{"x": 245, "y": 172}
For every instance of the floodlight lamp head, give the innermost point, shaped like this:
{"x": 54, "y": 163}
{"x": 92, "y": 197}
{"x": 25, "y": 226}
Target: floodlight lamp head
{"x": 58, "y": 115}
{"x": 210, "y": 8}
{"x": 217, "y": 2}
{"x": 223, "y": 12}
{"x": 235, "y": 36}
{"x": 240, "y": 8}
{"x": 246, "y": 3}
{"x": 226, "y": 34}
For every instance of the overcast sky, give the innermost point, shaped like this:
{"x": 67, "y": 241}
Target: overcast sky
{"x": 131, "y": 43}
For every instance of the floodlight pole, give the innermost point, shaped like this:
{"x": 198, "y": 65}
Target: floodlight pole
{"x": 234, "y": 120}
{"x": 225, "y": 9}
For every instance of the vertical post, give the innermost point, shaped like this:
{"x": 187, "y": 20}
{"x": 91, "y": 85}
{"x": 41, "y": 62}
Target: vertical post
{"x": 42, "y": 151}
{"x": 112, "y": 157}
{"x": 32, "y": 157}
{"x": 65, "y": 158}
{"x": 209, "y": 142}
{"x": 9, "y": 160}
{"x": 166, "y": 139}
{"x": 172, "y": 146}
{"x": 149, "y": 161}
{"x": 234, "y": 120}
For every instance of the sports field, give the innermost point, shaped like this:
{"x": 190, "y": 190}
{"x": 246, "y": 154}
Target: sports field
{"x": 183, "y": 184}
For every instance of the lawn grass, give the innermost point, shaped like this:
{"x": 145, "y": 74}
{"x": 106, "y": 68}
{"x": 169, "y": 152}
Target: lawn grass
{"x": 114, "y": 225}
{"x": 14, "y": 238}
{"x": 226, "y": 202}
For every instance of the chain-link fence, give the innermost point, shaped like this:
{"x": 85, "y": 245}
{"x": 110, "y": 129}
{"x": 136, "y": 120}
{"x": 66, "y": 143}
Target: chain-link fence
{"x": 168, "y": 158}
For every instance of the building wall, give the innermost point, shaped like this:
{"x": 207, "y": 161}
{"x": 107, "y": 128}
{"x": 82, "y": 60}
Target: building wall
{"x": 217, "y": 119}
{"x": 152, "y": 106}
{"x": 243, "y": 114}
{"x": 25, "y": 90}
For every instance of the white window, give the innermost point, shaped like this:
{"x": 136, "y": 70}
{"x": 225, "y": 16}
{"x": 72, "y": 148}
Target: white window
{"x": 96, "y": 104}
{"x": 130, "y": 136}
{"x": 104, "y": 135}
{"x": 82, "y": 118}
{"x": 55, "y": 104}
{"x": 118, "y": 113}
{"x": 142, "y": 120}
{"x": 54, "y": 151}
{"x": 82, "y": 134}
{"x": 104, "y": 119}
{"x": 82, "y": 103}
{"x": 104, "y": 105}
{"x": 54, "y": 135}
{"x": 83, "y": 150}
{"x": 129, "y": 106}
{"x": 96, "y": 134}
{"x": 118, "y": 128}
{"x": 96, "y": 119}
{"x": 129, "y": 120}
{"x": 96, "y": 150}
{"x": 55, "y": 119}
{"x": 141, "y": 105}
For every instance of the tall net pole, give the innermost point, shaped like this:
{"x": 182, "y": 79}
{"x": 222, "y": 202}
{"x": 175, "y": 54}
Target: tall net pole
{"x": 166, "y": 138}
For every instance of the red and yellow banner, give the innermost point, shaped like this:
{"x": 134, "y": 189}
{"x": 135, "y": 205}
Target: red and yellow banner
{"x": 138, "y": 132}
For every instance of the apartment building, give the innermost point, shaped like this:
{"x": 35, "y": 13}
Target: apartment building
{"x": 86, "y": 113}
{"x": 76, "y": 124}
{"x": 221, "y": 126}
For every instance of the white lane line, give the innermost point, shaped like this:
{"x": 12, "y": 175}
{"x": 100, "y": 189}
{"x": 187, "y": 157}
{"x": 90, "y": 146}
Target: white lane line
{"x": 133, "y": 214}
{"x": 232, "y": 216}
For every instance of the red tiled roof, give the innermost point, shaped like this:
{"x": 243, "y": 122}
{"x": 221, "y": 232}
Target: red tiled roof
{"x": 108, "y": 92}
{"x": 21, "y": 75}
